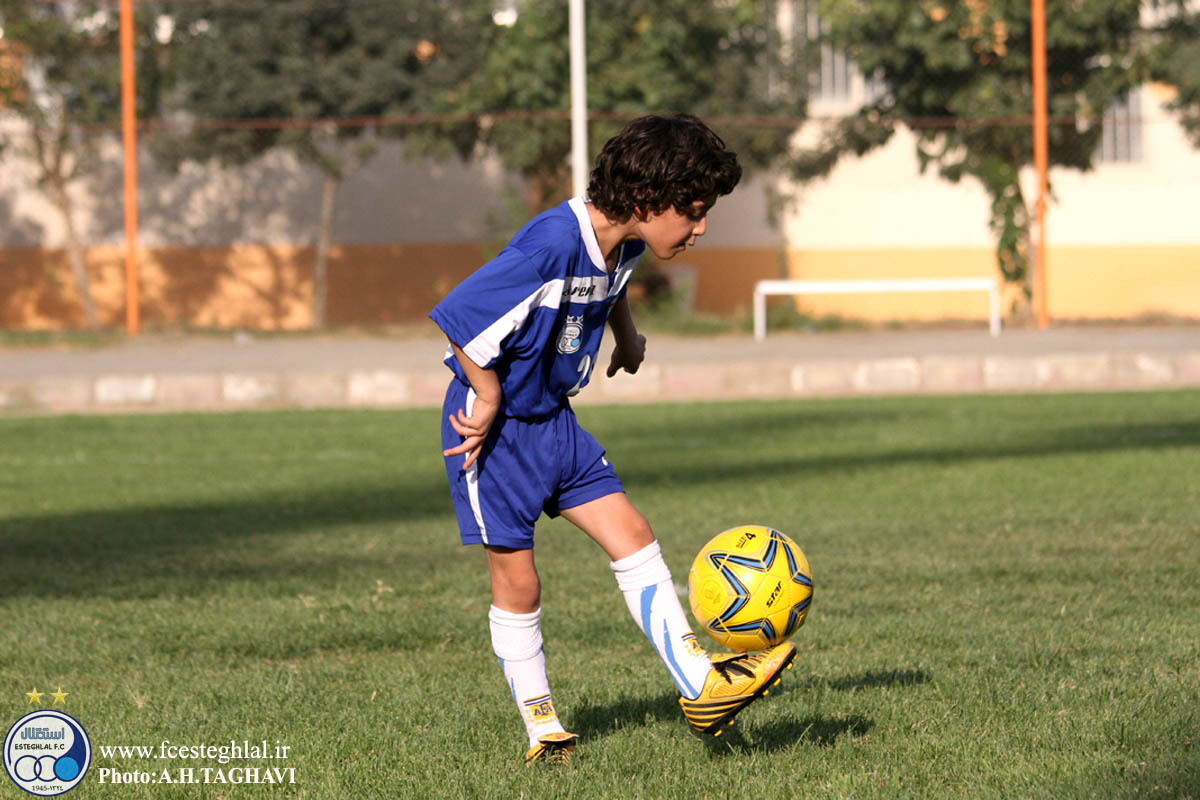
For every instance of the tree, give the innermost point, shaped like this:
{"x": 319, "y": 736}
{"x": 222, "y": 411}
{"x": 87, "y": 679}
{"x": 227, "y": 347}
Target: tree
{"x": 1175, "y": 60}
{"x": 324, "y": 72}
{"x": 63, "y": 77}
{"x": 709, "y": 57}
{"x": 960, "y": 75}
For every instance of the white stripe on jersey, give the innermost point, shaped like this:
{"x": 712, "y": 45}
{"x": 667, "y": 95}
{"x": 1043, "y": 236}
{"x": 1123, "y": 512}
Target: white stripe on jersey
{"x": 486, "y": 346}
{"x": 624, "y": 272}
{"x": 586, "y": 230}
{"x": 473, "y": 478}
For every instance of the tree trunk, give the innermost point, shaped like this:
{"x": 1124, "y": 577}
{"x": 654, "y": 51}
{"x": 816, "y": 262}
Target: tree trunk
{"x": 329, "y": 191}
{"x": 1022, "y": 311}
{"x": 83, "y": 285}
{"x": 1032, "y": 256}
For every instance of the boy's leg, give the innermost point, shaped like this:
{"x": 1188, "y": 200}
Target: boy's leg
{"x": 515, "y": 620}
{"x": 497, "y": 502}
{"x": 713, "y": 690}
{"x": 645, "y": 581}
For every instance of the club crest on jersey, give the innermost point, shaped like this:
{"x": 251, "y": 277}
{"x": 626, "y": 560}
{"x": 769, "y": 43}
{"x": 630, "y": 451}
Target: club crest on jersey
{"x": 571, "y": 338}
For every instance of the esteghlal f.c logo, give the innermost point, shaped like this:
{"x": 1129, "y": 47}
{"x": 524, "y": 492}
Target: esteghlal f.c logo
{"x": 47, "y": 752}
{"x": 572, "y": 335}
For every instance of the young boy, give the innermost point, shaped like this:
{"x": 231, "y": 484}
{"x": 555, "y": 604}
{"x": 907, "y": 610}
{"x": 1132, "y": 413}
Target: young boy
{"x": 524, "y": 331}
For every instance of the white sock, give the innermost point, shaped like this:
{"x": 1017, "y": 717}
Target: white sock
{"x": 645, "y": 580}
{"x": 517, "y": 642}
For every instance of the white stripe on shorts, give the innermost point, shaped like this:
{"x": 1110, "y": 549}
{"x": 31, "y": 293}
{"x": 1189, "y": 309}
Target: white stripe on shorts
{"x": 473, "y": 477}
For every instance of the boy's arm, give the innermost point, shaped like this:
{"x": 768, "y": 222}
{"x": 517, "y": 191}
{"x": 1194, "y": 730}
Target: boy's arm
{"x": 483, "y": 412}
{"x": 630, "y": 349}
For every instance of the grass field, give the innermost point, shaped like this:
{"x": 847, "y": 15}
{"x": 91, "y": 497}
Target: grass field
{"x": 1007, "y": 600}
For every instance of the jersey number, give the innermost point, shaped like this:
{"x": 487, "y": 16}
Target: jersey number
{"x": 585, "y": 369}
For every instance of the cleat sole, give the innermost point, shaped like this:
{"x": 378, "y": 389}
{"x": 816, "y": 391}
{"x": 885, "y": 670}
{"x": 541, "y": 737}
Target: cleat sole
{"x": 715, "y": 728}
{"x": 555, "y": 749}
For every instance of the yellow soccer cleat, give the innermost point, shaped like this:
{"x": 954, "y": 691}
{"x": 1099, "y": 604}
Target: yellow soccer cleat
{"x": 553, "y": 748}
{"x": 735, "y": 681}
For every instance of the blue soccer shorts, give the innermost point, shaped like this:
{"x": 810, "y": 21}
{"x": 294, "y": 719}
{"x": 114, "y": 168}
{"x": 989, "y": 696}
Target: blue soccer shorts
{"x": 527, "y": 467}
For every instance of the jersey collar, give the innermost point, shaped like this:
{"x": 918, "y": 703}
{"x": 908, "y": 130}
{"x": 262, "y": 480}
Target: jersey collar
{"x": 588, "y": 233}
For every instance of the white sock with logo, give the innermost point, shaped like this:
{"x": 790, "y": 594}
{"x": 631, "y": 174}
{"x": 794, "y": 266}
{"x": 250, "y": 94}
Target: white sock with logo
{"x": 645, "y": 581}
{"x": 517, "y": 642}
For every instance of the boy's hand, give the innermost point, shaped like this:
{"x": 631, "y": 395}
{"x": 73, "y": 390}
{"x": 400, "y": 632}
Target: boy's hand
{"x": 628, "y": 355}
{"x": 474, "y": 428}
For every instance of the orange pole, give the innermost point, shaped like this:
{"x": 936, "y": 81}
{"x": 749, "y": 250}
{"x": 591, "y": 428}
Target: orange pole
{"x": 129, "y": 135}
{"x": 1041, "y": 159}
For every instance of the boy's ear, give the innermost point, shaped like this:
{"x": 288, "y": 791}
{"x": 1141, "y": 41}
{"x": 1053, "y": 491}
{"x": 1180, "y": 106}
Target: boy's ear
{"x": 639, "y": 209}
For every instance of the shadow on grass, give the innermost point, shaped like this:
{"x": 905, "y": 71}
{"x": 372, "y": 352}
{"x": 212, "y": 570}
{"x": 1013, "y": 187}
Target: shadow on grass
{"x": 1024, "y": 444}
{"x": 768, "y": 419}
{"x": 767, "y": 738}
{"x": 593, "y": 721}
{"x": 871, "y": 679}
{"x": 180, "y": 549}
{"x": 600, "y": 720}
{"x": 176, "y": 549}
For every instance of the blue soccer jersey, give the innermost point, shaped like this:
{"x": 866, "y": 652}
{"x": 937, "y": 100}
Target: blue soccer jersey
{"x": 536, "y": 312}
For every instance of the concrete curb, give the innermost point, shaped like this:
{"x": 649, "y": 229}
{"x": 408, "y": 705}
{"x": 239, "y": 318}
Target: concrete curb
{"x": 674, "y": 382}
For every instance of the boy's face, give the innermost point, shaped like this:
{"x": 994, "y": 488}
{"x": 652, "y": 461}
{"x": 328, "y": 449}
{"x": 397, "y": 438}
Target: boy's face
{"x": 669, "y": 233}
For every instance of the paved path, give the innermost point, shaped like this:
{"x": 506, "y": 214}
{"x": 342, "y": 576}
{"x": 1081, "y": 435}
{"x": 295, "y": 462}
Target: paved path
{"x": 202, "y": 373}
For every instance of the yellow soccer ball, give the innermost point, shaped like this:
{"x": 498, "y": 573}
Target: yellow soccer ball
{"x": 750, "y": 587}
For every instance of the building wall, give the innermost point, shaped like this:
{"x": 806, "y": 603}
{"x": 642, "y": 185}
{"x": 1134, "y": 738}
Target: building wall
{"x": 233, "y": 247}
{"x": 1122, "y": 240}
{"x": 239, "y": 286}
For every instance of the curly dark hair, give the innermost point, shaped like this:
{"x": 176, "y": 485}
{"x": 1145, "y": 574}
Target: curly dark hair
{"x": 656, "y": 163}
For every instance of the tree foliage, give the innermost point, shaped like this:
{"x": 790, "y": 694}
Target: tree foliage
{"x": 311, "y": 76}
{"x": 960, "y": 74}
{"x": 303, "y": 60}
{"x": 709, "y": 57}
{"x": 1176, "y": 61}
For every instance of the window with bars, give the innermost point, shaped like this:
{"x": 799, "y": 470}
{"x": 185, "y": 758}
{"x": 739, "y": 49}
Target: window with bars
{"x": 832, "y": 77}
{"x": 1121, "y": 132}
{"x": 829, "y": 73}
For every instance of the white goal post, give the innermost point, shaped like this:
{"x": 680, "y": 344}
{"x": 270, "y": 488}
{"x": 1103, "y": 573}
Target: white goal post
{"x": 764, "y": 288}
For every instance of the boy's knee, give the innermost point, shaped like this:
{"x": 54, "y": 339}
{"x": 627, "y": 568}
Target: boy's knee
{"x": 520, "y": 596}
{"x": 640, "y": 532}
{"x": 516, "y": 586}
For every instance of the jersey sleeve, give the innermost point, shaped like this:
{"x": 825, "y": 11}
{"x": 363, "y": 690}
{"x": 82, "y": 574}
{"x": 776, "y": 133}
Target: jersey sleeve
{"x": 493, "y": 303}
